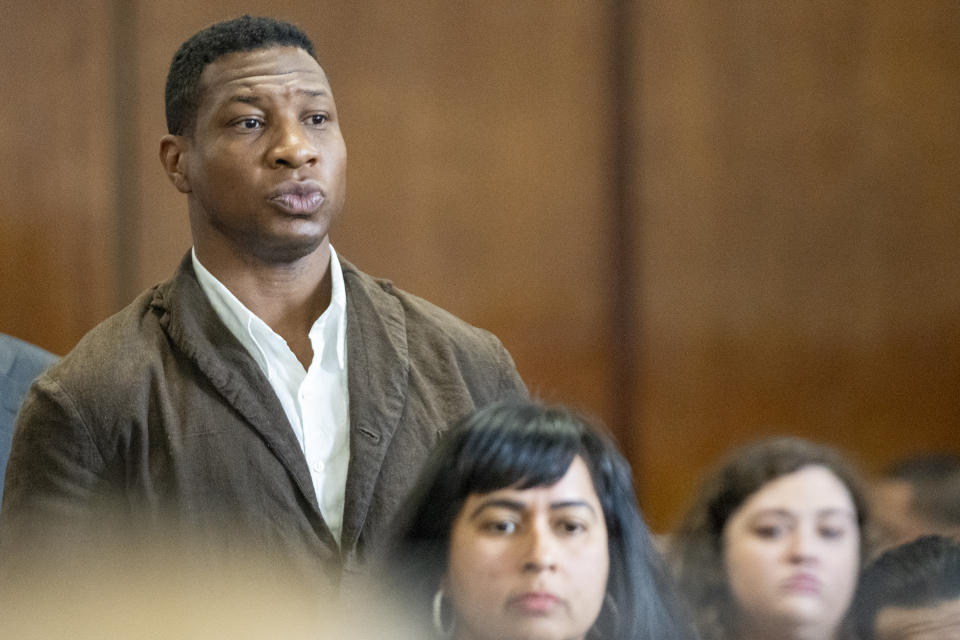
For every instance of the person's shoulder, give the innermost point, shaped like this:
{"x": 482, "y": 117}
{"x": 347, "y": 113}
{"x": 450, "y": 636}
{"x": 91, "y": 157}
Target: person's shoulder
{"x": 18, "y": 356}
{"x": 423, "y": 319}
{"x": 116, "y": 351}
{"x": 436, "y": 342}
{"x": 20, "y": 364}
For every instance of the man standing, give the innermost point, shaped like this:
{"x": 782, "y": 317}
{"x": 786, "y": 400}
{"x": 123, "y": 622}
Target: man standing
{"x": 270, "y": 396}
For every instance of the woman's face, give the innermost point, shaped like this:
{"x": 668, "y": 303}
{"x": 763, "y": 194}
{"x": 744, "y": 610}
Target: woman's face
{"x": 792, "y": 553}
{"x": 529, "y": 563}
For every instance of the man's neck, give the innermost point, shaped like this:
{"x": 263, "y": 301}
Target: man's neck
{"x": 288, "y": 297}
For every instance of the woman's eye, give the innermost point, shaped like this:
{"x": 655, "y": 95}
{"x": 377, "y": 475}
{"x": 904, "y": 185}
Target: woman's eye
{"x": 832, "y": 533}
{"x": 768, "y": 531}
{"x": 500, "y": 526}
{"x": 571, "y": 527}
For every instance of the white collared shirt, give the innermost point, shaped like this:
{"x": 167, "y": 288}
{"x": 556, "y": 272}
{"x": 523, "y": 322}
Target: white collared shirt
{"x": 316, "y": 400}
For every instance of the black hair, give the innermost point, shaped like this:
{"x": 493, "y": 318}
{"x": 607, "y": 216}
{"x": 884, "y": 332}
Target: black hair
{"x": 525, "y": 445}
{"x": 924, "y": 467}
{"x": 934, "y": 479}
{"x": 921, "y": 573}
{"x": 246, "y": 33}
{"x": 696, "y": 547}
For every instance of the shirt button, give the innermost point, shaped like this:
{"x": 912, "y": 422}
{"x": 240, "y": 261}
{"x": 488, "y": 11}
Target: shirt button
{"x": 318, "y": 466}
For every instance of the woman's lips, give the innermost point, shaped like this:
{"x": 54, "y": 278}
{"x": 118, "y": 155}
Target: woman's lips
{"x": 535, "y": 603}
{"x": 803, "y": 583}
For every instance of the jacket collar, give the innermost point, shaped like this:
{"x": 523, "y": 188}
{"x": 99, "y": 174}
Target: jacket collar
{"x": 377, "y": 371}
{"x": 195, "y": 329}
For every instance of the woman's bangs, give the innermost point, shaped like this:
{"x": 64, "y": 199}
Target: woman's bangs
{"x": 523, "y": 459}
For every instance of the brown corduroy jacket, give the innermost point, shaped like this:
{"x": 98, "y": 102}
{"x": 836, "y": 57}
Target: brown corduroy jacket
{"x": 160, "y": 413}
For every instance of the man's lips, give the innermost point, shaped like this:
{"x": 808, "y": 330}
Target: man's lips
{"x": 298, "y": 197}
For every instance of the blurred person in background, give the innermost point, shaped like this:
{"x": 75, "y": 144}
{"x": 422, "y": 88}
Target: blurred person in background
{"x": 917, "y": 495}
{"x": 773, "y": 543}
{"x": 524, "y": 525}
{"x": 20, "y": 364}
{"x": 911, "y": 592}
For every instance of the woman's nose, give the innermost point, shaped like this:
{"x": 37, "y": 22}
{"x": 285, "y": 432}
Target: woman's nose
{"x": 803, "y": 546}
{"x": 542, "y": 551}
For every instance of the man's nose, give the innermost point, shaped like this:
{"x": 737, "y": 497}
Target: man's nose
{"x": 541, "y": 550}
{"x": 292, "y": 147}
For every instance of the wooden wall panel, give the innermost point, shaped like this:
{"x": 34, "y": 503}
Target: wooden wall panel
{"x": 798, "y": 189}
{"x": 56, "y": 170}
{"x": 479, "y": 139}
{"x": 792, "y": 177}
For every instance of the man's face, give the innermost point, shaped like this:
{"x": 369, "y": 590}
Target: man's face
{"x": 265, "y": 167}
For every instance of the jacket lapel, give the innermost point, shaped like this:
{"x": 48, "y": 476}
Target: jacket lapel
{"x": 377, "y": 369}
{"x": 197, "y": 331}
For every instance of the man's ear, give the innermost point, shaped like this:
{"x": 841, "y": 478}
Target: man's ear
{"x": 173, "y": 157}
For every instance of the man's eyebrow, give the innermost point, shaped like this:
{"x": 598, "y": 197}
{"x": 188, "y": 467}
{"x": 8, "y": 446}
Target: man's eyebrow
{"x": 247, "y": 98}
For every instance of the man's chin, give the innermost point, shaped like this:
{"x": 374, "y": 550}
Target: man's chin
{"x": 287, "y": 251}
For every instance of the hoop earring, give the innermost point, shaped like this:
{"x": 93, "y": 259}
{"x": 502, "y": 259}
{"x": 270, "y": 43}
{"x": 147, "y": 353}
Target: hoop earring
{"x": 438, "y": 616}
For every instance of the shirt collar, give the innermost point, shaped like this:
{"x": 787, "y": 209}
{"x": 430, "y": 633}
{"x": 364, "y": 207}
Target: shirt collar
{"x": 338, "y": 305}
{"x": 250, "y": 330}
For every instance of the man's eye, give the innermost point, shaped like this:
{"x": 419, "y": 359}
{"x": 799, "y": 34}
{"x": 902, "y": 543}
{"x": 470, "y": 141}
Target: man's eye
{"x": 317, "y": 119}
{"x": 248, "y": 123}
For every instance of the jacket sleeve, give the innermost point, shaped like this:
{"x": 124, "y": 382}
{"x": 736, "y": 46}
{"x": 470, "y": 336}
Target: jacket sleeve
{"x": 55, "y": 475}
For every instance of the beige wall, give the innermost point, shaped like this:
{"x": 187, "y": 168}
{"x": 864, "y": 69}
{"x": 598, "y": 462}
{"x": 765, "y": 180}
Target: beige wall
{"x": 699, "y": 221}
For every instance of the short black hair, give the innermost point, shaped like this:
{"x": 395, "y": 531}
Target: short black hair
{"x": 525, "y": 445}
{"x": 245, "y": 33}
{"x": 934, "y": 479}
{"x": 925, "y": 467}
{"x": 921, "y": 573}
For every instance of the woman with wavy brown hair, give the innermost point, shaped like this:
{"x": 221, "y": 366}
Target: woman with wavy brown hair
{"x": 772, "y": 546}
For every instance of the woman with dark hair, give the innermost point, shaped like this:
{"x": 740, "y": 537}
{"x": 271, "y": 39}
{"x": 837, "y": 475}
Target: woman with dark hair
{"x": 524, "y": 525}
{"x": 772, "y": 546}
